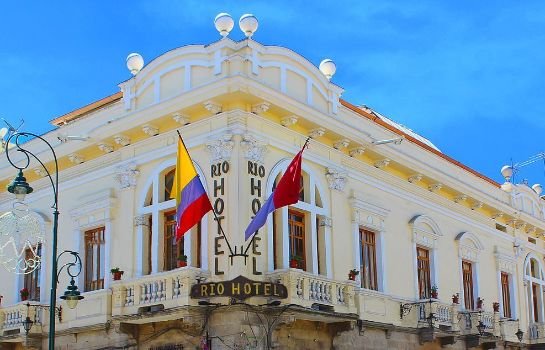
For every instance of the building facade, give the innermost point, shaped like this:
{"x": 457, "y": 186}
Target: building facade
{"x": 444, "y": 256}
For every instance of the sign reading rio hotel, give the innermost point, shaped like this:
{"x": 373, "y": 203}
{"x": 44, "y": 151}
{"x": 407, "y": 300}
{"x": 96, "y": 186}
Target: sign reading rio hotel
{"x": 239, "y": 288}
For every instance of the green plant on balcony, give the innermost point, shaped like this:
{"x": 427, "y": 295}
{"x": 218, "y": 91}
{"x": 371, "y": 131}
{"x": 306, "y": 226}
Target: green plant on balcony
{"x": 182, "y": 260}
{"x": 352, "y": 274}
{"x": 295, "y": 261}
{"x": 116, "y": 273}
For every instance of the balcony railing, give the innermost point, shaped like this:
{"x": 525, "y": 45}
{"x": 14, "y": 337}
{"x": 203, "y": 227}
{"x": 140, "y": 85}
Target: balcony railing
{"x": 12, "y": 317}
{"x": 170, "y": 289}
{"x": 309, "y": 290}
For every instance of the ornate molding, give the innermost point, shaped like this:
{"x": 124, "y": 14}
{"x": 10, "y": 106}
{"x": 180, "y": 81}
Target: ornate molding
{"x": 356, "y": 151}
{"x": 289, "y": 120}
{"x": 415, "y": 178}
{"x": 382, "y": 163}
{"x": 122, "y": 140}
{"x": 213, "y": 107}
{"x": 476, "y": 205}
{"x": 318, "y": 132}
{"x": 325, "y": 221}
{"x": 180, "y": 118}
{"x": 141, "y": 220}
{"x": 497, "y": 215}
{"x": 40, "y": 171}
{"x": 435, "y": 187}
{"x": 150, "y": 130}
{"x": 126, "y": 175}
{"x": 460, "y": 198}
{"x": 343, "y": 143}
{"x": 262, "y": 107}
{"x": 518, "y": 247}
{"x": 254, "y": 150}
{"x": 105, "y": 147}
{"x": 222, "y": 149}
{"x": 336, "y": 179}
{"x": 76, "y": 158}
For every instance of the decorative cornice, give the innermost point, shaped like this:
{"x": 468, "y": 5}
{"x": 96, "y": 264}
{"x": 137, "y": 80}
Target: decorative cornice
{"x": 254, "y": 150}
{"x": 336, "y": 179}
{"x": 343, "y": 143}
{"x": 180, "y": 118}
{"x": 382, "y": 163}
{"x": 220, "y": 150}
{"x": 318, "y": 132}
{"x": 150, "y": 130}
{"x": 262, "y": 107}
{"x": 76, "y": 158}
{"x": 460, "y": 198}
{"x": 435, "y": 187}
{"x": 105, "y": 147}
{"x": 213, "y": 107}
{"x": 356, "y": 151}
{"x": 122, "y": 140}
{"x": 415, "y": 178}
{"x": 126, "y": 175}
{"x": 289, "y": 120}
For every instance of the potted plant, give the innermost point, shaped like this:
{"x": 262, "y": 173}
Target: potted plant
{"x": 434, "y": 291}
{"x": 117, "y": 273}
{"x": 480, "y": 302}
{"x": 496, "y": 306}
{"x": 456, "y": 298}
{"x": 24, "y": 294}
{"x": 295, "y": 261}
{"x": 182, "y": 260}
{"x": 352, "y": 274}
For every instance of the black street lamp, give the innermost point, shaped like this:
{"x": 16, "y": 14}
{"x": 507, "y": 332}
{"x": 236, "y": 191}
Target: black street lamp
{"x": 519, "y": 335}
{"x": 20, "y": 188}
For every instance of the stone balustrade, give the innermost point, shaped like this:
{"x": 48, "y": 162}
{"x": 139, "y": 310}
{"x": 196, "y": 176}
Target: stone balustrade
{"x": 12, "y": 317}
{"x": 169, "y": 289}
{"x": 308, "y": 290}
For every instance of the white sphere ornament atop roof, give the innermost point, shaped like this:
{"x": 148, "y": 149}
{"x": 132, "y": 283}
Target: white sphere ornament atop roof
{"x": 135, "y": 62}
{"x": 224, "y": 24}
{"x": 328, "y": 68}
{"x": 248, "y": 24}
{"x": 507, "y": 172}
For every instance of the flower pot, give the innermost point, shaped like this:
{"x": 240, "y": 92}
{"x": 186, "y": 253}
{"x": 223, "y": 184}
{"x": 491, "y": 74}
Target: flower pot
{"x": 182, "y": 263}
{"x": 496, "y": 307}
{"x": 117, "y": 275}
{"x": 351, "y": 277}
{"x": 434, "y": 294}
{"x": 479, "y": 304}
{"x": 24, "y": 298}
{"x": 455, "y": 299}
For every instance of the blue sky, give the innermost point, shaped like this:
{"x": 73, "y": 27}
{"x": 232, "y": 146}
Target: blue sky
{"x": 468, "y": 75}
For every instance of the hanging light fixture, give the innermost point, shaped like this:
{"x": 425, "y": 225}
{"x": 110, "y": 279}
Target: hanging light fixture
{"x": 519, "y": 335}
{"x": 72, "y": 294}
{"x": 19, "y": 187}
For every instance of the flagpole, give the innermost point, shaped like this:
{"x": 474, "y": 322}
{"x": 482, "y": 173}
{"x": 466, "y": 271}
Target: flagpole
{"x": 252, "y": 240}
{"x": 213, "y": 211}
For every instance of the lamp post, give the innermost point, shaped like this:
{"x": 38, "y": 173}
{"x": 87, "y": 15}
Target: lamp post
{"x": 20, "y": 188}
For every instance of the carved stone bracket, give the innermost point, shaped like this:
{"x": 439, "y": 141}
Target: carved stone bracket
{"x": 40, "y": 171}
{"x": 141, "y": 220}
{"x": 289, "y": 120}
{"x": 318, "y": 132}
{"x": 497, "y": 215}
{"x": 254, "y": 150}
{"x": 415, "y": 178}
{"x": 150, "y": 130}
{"x": 356, "y": 151}
{"x": 262, "y": 107}
{"x": 122, "y": 140}
{"x": 343, "y": 143}
{"x": 213, "y": 107}
{"x": 336, "y": 179}
{"x": 126, "y": 175}
{"x": 180, "y": 118}
{"x": 76, "y": 158}
{"x": 382, "y": 163}
{"x": 105, "y": 147}
{"x": 435, "y": 187}
{"x": 222, "y": 149}
{"x": 477, "y": 205}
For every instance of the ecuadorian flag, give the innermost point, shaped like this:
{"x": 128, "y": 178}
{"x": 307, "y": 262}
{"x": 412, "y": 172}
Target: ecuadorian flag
{"x": 191, "y": 200}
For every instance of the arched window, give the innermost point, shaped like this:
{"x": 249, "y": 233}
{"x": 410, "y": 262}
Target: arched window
{"x": 469, "y": 250}
{"x": 425, "y": 234}
{"x": 535, "y": 286}
{"x": 157, "y": 226}
{"x": 300, "y": 231}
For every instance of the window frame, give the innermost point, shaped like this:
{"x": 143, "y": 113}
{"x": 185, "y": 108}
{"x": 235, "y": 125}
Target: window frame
{"x": 98, "y": 270}
{"x": 372, "y": 282}
{"x": 424, "y": 270}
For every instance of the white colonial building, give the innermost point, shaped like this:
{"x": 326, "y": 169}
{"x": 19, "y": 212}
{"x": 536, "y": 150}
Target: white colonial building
{"x": 439, "y": 248}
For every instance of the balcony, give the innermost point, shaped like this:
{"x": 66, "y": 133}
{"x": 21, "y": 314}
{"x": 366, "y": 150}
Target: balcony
{"x": 315, "y": 291}
{"x": 160, "y": 291}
